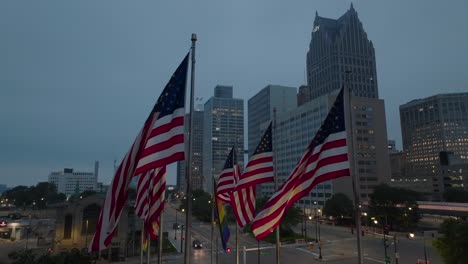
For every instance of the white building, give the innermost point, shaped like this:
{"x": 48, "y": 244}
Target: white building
{"x": 70, "y": 182}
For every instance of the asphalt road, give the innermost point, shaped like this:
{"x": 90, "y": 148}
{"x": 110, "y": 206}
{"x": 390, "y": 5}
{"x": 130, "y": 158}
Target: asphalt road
{"x": 338, "y": 245}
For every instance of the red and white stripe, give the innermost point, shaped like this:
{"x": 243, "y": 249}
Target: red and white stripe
{"x": 325, "y": 162}
{"x": 157, "y": 201}
{"x": 142, "y": 194}
{"x": 159, "y": 143}
{"x": 165, "y": 142}
{"x": 116, "y": 197}
{"x": 226, "y": 183}
{"x": 259, "y": 170}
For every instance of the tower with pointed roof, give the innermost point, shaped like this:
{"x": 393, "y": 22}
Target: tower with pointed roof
{"x": 337, "y": 46}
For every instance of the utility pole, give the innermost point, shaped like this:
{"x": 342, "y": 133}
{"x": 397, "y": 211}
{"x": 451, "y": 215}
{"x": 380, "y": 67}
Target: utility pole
{"x": 397, "y": 256}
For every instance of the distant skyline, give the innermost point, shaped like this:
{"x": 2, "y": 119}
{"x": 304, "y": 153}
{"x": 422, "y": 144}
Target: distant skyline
{"x": 78, "y": 78}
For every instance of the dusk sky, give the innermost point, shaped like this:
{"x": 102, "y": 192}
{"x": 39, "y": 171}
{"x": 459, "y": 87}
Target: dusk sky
{"x": 78, "y": 78}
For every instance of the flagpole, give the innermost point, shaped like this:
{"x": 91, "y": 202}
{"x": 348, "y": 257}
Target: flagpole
{"x": 237, "y": 243}
{"x": 160, "y": 237}
{"x": 213, "y": 204}
{"x": 142, "y": 240}
{"x": 357, "y": 204}
{"x": 148, "y": 253}
{"x": 235, "y": 167}
{"x": 188, "y": 163}
{"x": 277, "y": 258}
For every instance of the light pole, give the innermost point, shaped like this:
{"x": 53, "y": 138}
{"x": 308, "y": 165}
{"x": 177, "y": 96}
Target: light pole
{"x": 316, "y": 223}
{"x": 424, "y": 242}
{"x": 181, "y": 239}
{"x": 86, "y": 244}
{"x": 320, "y": 241}
{"x": 176, "y": 225}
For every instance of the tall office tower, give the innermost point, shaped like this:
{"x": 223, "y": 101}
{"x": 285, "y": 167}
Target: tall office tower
{"x": 338, "y": 46}
{"x": 260, "y": 110}
{"x": 71, "y": 182}
{"x": 197, "y": 156}
{"x": 429, "y": 126}
{"x": 223, "y": 128}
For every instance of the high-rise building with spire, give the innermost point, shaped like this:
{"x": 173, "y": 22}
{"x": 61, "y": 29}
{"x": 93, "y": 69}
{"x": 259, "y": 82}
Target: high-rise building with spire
{"x": 337, "y": 46}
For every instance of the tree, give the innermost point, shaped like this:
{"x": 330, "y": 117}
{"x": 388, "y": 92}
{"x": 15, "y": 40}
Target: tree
{"x": 397, "y": 207}
{"x": 201, "y": 205}
{"x": 454, "y": 242}
{"x": 38, "y": 196}
{"x": 456, "y": 196}
{"x": 339, "y": 205}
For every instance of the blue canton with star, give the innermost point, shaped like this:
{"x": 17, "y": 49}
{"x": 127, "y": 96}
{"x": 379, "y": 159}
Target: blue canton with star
{"x": 334, "y": 123}
{"x": 173, "y": 95}
{"x": 231, "y": 159}
{"x": 265, "y": 144}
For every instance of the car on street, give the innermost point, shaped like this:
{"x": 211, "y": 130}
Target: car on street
{"x": 197, "y": 244}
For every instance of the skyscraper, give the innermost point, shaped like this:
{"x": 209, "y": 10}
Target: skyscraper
{"x": 197, "y": 156}
{"x": 223, "y": 128}
{"x": 340, "y": 54}
{"x": 337, "y": 46}
{"x": 260, "y": 110}
{"x": 429, "y": 126}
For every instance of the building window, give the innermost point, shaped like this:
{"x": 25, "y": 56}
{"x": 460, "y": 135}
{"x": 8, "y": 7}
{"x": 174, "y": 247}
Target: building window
{"x": 67, "y": 227}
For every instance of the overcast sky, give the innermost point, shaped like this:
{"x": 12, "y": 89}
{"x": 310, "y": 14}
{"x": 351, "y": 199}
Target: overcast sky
{"x": 78, "y": 78}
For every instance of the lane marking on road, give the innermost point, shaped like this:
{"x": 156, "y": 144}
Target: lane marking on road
{"x": 376, "y": 260}
{"x": 307, "y": 251}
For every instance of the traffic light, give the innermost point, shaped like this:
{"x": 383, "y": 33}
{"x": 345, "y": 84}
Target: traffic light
{"x": 228, "y": 250}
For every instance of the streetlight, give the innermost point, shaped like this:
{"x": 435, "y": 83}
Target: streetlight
{"x": 175, "y": 230}
{"x": 181, "y": 239}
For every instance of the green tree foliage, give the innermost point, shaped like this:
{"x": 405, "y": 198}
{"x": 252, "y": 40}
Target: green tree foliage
{"x": 28, "y": 257}
{"x": 201, "y": 205}
{"x": 453, "y": 245}
{"x": 396, "y": 206}
{"x": 38, "y": 196}
{"x": 339, "y": 205}
{"x": 456, "y": 196}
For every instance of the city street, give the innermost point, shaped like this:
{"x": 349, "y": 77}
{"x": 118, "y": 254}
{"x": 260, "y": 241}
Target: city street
{"x": 338, "y": 246}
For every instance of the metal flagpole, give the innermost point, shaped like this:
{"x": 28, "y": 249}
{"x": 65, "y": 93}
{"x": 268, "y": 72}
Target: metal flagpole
{"x": 188, "y": 163}
{"x": 237, "y": 244}
{"x": 213, "y": 204}
{"x": 142, "y": 241}
{"x": 237, "y": 179}
{"x": 258, "y": 251}
{"x": 354, "y": 177}
{"x": 148, "y": 253}
{"x": 277, "y": 258}
{"x": 160, "y": 237}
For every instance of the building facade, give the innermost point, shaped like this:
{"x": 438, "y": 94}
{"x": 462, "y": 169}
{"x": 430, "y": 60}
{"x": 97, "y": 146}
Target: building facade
{"x": 453, "y": 172}
{"x": 429, "y": 126}
{"x": 71, "y": 182}
{"x": 223, "y": 128}
{"x": 260, "y": 110}
{"x": 337, "y": 46}
{"x": 76, "y": 224}
{"x": 197, "y": 154}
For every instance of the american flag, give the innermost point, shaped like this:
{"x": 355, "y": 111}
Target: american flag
{"x": 259, "y": 170}
{"x": 159, "y": 142}
{"x": 325, "y": 159}
{"x": 149, "y": 203}
{"x": 228, "y": 177}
